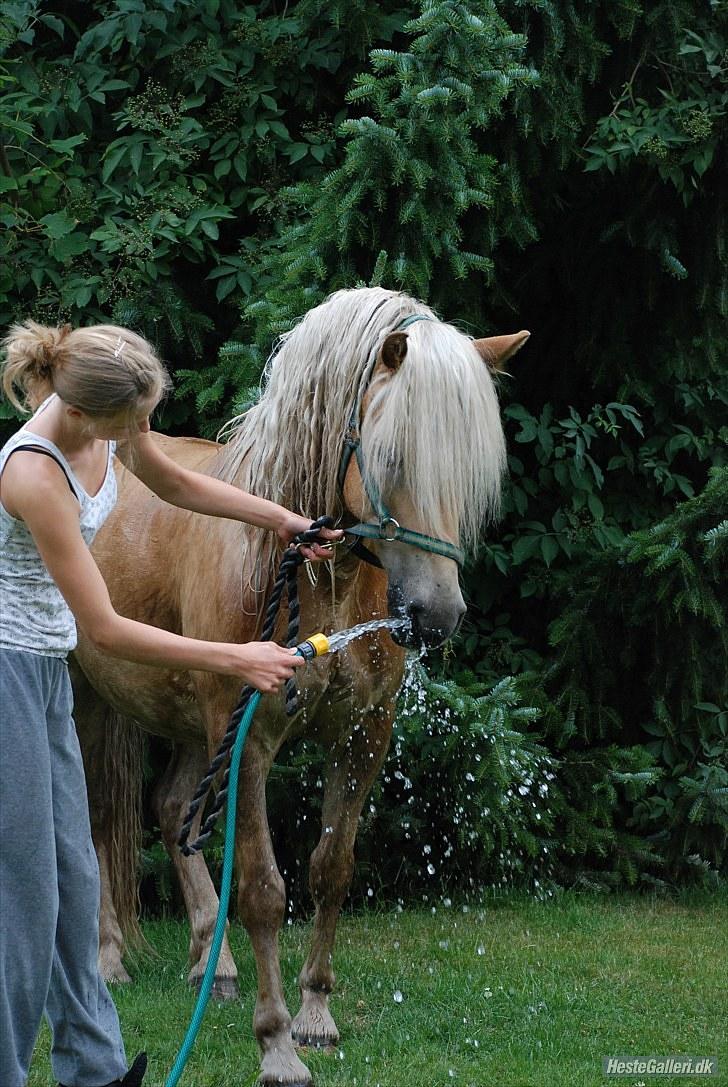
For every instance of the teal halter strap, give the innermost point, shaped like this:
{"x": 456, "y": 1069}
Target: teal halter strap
{"x": 387, "y": 527}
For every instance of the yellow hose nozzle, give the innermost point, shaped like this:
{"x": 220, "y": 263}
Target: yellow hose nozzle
{"x": 315, "y": 646}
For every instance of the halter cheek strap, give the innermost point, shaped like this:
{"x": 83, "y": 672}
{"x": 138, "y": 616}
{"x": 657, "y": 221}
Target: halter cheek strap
{"x": 387, "y": 527}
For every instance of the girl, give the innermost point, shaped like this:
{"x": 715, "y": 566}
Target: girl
{"x": 92, "y": 387}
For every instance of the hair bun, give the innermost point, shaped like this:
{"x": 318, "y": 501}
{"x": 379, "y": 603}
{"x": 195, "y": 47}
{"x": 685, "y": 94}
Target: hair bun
{"x": 39, "y": 346}
{"x": 48, "y": 343}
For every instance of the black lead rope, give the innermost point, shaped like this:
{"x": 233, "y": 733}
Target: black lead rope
{"x": 286, "y": 578}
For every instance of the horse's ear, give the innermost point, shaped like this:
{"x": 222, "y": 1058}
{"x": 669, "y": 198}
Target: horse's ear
{"x": 496, "y": 350}
{"x": 393, "y": 350}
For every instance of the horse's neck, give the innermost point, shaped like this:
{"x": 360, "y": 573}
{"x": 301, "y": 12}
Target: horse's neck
{"x": 356, "y": 592}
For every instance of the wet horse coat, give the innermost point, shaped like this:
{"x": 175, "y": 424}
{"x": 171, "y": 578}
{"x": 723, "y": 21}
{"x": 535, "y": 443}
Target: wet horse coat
{"x": 433, "y": 449}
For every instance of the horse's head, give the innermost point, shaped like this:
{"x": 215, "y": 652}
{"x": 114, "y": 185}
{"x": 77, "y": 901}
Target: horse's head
{"x": 373, "y": 404}
{"x": 429, "y": 457}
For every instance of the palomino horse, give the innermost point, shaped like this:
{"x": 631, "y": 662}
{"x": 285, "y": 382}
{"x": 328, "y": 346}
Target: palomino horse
{"x": 370, "y": 366}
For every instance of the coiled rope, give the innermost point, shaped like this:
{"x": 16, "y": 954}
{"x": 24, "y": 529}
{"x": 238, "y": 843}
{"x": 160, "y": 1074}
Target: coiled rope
{"x": 286, "y": 578}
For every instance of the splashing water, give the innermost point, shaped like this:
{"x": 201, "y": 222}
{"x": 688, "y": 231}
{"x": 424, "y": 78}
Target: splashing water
{"x": 343, "y": 637}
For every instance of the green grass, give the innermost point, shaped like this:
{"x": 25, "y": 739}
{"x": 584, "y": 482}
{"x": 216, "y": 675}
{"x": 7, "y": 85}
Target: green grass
{"x": 511, "y": 993}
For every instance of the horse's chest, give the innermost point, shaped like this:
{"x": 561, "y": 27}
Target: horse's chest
{"x": 333, "y": 701}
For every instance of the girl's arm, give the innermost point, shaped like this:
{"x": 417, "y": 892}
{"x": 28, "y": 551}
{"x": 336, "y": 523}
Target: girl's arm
{"x": 204, "y": 494}
{"x": 36, "y": 491}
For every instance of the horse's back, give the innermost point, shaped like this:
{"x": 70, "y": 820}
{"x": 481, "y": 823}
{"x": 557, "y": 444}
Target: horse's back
{"x": 194, "y": 453}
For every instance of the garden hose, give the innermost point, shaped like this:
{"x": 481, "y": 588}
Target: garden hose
{"x": 312, "y": 647}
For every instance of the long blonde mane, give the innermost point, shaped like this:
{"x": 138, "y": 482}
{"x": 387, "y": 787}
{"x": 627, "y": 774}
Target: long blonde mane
{"x": 437, "y": 419}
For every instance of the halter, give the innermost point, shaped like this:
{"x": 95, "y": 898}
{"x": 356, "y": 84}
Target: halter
{"x": 387, "y": 527}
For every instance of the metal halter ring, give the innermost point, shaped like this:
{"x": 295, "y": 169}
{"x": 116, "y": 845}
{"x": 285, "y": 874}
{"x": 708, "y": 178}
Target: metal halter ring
{"x": 388, "y": 528}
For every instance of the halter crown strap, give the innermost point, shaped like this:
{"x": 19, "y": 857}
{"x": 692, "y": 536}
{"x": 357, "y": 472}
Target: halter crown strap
{"x": 388, "y": 528}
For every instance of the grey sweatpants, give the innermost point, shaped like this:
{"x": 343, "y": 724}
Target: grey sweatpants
{"x": 49, "y": 885}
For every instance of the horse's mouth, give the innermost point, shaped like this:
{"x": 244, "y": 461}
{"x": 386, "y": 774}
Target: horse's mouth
{"x": 414, "y": 636}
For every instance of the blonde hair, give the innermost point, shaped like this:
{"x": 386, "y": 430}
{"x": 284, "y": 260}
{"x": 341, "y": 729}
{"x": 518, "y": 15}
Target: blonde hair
{"x": 438, "y": 418}
{"x": 102, "y": 370}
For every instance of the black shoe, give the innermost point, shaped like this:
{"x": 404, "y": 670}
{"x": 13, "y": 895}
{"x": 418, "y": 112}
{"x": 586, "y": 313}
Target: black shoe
{"x": 133, "y": 1077}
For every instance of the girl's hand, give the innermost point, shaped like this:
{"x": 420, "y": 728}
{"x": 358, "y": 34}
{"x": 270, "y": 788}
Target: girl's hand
{"x": 264, "y": 665}
{"x": 293, "y": 524}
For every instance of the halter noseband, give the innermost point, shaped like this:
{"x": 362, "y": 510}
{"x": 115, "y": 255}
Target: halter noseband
{"x": 387, "y": 527}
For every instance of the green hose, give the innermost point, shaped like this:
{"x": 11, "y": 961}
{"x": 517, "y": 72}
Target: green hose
{"x": 314, "y": 646}
{"x": 227, "y": 877}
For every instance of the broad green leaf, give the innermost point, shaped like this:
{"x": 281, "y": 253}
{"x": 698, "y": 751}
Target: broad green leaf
{"x": 58, "y": 224}
{"x": 69, "y": 143}
{"x": 70, "y": 246}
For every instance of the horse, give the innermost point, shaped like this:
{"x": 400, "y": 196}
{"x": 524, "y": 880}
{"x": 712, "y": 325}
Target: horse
{"x": 374, "y": 411}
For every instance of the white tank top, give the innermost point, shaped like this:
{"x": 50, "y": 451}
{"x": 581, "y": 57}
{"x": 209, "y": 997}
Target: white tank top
{"x": 34, "y": 617}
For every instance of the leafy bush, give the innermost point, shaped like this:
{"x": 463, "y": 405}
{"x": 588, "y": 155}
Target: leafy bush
{"x": 641, "y": 651}
{"x": 144, "y": 146}
{"x": 206, "y": 172}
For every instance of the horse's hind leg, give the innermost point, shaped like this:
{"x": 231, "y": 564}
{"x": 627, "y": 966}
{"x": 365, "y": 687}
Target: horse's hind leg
{"x": 112, "y": 753}
{"x": 351, "y": 772}
{"x": 171, "y": 798}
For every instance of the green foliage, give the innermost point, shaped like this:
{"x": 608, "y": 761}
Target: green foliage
{"x": 679, "y": 135}
{"x": 641, "y": 651}
{"x": 205, "y": 172}
{"x": 411, "y": 174}
{"x": 466, "y": 796}
{"x": 135, "y": 197}
{"x": 412, "y": 169}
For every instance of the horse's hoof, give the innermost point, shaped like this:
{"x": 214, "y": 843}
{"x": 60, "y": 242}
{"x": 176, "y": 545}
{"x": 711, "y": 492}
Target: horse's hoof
{"x": 223, "y": 989}
{"x": 281, "y": 1067}
{"x": 324, "y": 1045}
{"x": 314, "y": 1026}
{"x": 114, "y": 973}
{"x": 289, "y": 1083}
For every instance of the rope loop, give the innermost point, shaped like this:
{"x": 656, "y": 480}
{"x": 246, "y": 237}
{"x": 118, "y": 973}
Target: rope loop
{"x": 286, "y": 578}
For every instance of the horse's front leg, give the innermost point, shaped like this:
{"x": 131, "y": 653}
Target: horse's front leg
{"x": 262, "y": 904}
{"x": 350, "y": 774}
{"x": 184, "y": 771}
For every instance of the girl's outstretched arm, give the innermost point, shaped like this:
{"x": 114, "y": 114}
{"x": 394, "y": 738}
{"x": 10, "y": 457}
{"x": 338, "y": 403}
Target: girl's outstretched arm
{"x": 36, "y": 491}
{"x": 204, "y": 494}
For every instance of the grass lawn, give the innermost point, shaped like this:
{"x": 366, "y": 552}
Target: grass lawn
{"x": 511, "y": 993}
